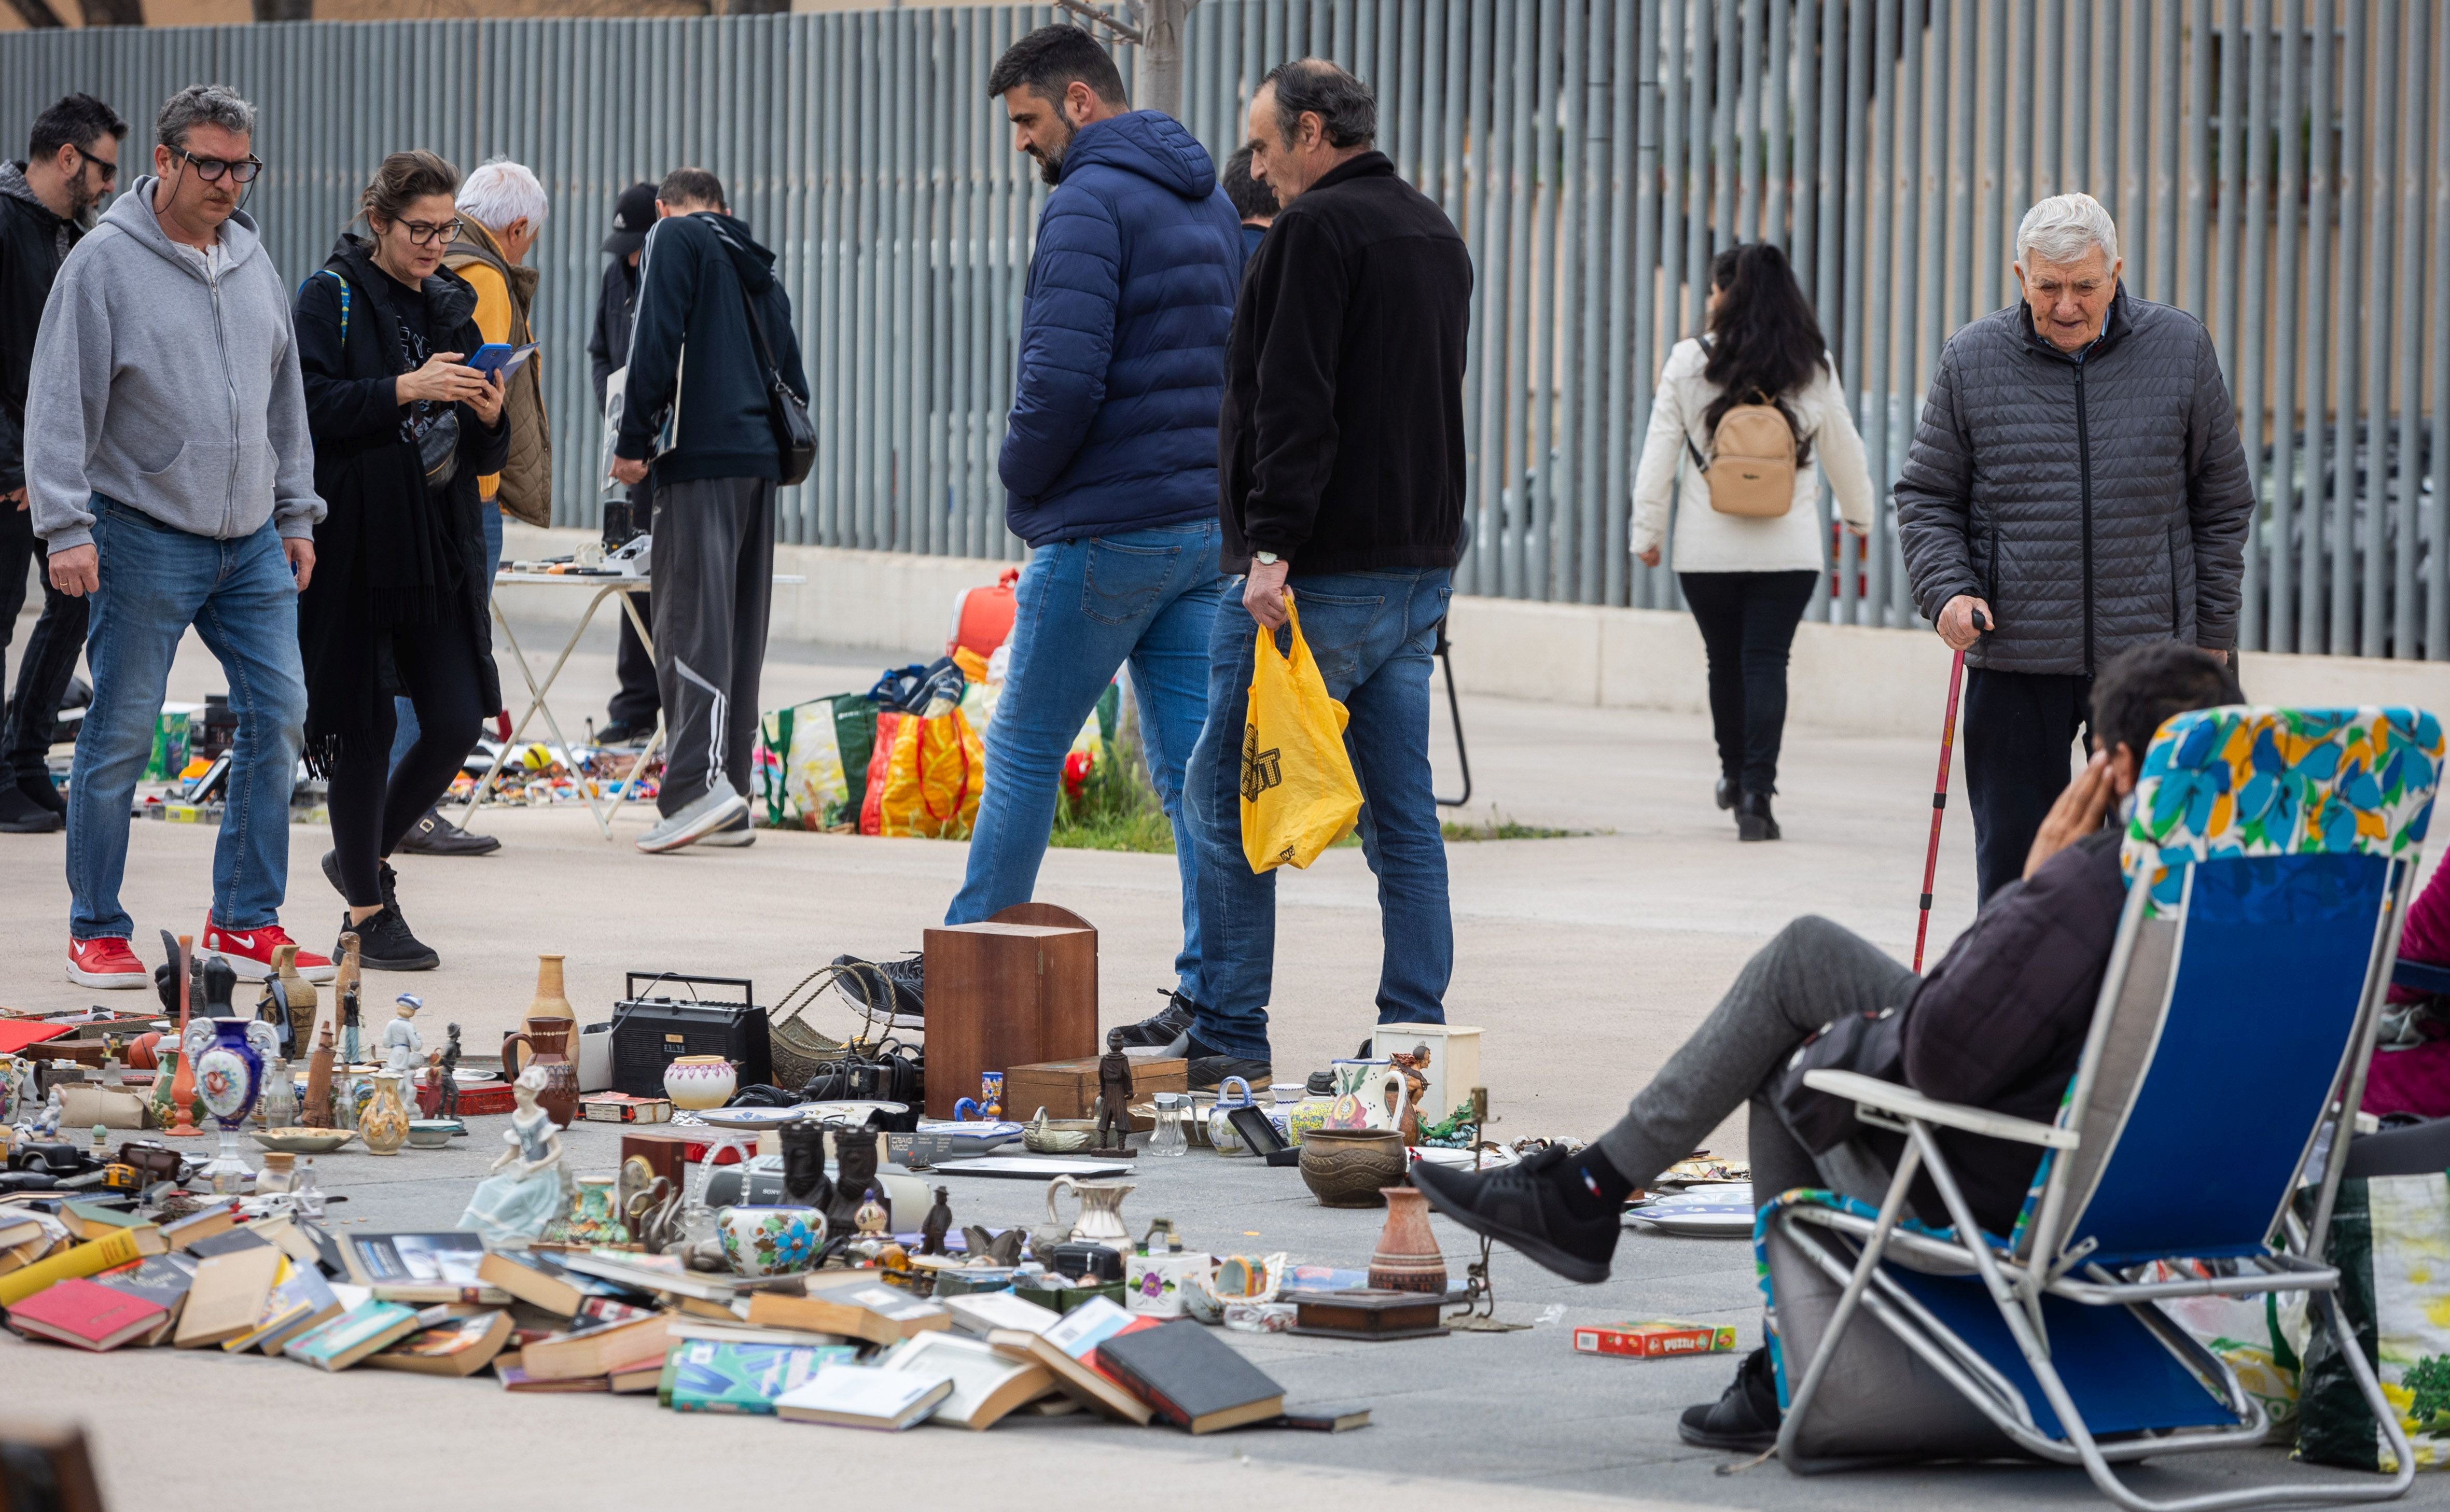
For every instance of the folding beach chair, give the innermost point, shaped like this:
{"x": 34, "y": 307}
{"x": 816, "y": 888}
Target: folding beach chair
{"x": 2268, "y": 862}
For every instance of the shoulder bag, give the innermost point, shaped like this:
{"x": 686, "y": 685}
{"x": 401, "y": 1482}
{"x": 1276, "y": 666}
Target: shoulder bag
{"x": 795, "y": 437}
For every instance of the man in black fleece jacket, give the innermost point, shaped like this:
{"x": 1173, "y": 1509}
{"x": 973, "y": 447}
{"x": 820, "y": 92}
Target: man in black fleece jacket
{"x": 1999, "y": 1023}
{"x": 1341, "y": 466}
{"x": 692, "y": 348}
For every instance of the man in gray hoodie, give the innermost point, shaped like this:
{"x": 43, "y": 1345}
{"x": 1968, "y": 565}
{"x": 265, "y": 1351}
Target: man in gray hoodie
{"x": 173, "y": 483}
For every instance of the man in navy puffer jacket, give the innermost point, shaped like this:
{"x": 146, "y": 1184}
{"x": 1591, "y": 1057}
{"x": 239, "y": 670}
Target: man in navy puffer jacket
{"x": 1109, "y": 461}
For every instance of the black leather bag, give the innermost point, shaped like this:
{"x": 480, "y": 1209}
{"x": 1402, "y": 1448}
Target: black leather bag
{"x": 1872, "y": 1043}
{"x": 884, "y": 1072}
{"x": 795, "y": 435}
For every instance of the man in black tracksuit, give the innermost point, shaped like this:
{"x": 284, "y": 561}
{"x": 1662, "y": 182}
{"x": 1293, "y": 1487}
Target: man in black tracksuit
{"x": 632, "y": 715}
{"x": 72, "y": 162}
{"x": 2076, "y": 479}
{"x": 1999, "y": 1023}
{"x": 694, "y": 348}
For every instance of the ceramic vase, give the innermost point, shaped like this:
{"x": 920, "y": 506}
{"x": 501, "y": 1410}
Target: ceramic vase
{"x": 550, "y": 1003}
{"x": 698, "y": 1082}
{"x": 1309, "y": 1116}
{"x": 1350, "y": 1168}
{"x": 770, "y": 1241}
{"x": 384, "y": 1124}
{"x": 1407, "y": 1258}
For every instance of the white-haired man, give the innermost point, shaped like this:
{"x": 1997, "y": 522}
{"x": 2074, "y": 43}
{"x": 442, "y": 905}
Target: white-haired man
{"x": 2075, "y": 482}
{"x": 501, "y": 212}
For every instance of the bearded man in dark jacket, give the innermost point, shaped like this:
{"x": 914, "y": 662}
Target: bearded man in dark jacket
{"x": 1999, "y": 1023}
{"x": 2076, "y": 481}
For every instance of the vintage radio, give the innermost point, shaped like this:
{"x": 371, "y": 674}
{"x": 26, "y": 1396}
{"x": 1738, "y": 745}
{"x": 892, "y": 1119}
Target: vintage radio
{"x": 648, "y": 1033}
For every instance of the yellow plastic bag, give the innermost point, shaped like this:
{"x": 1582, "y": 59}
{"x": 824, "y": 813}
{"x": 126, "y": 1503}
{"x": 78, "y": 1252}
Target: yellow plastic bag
{"x": 925, "y": 777}
{"x": 1299, "y": 795}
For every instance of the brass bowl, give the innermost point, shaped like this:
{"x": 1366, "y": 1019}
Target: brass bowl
{"x": 1345, "y": 1168}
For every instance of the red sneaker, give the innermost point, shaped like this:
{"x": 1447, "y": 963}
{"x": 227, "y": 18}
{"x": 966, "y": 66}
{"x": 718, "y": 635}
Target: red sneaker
{"x": 105, "y": 962}
{"x": 250, "y": 953}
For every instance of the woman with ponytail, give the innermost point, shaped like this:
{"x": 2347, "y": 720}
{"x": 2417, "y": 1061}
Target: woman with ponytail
{"x": 1748, "y": 570}
{"x": 402, "y": 428}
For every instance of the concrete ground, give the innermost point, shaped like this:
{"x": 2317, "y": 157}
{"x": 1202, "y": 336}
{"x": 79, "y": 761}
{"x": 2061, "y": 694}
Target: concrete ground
{"x": 1585, "y": 960}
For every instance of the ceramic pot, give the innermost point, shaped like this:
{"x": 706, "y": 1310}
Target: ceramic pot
{"x": 1350, "y": 1168}
{"x": 384, "y": 1124}
{"x": 1230, "y": 1094}
{"x": 547, "y": 1045}
{"x": 1407, "y": 1258}
{"x": 698, "y": 1082}
{"x": 1100, "y": 1216}
{"x": 550, "y": 1003}
{"x": 1309, "y": 1114}
{"x": 770, "y": 1241}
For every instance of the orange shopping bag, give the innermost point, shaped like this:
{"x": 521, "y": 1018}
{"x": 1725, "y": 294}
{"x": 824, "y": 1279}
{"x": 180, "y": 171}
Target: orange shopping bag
{"x": 925, "y": 778}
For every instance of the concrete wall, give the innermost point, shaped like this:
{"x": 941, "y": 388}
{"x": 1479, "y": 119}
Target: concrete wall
{"x": 1843, "y": 678}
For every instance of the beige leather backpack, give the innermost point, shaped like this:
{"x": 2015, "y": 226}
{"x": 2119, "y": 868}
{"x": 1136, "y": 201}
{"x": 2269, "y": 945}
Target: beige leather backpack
{"x": 1750, "y": 471}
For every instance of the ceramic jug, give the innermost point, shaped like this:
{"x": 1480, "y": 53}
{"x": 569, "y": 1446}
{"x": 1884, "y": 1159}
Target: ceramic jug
{"x": 1232, "y": 1094}
{"x": 1100, "y": 1216}
{"x": 550, "y": 1003}
{"x": 1369, "y": 1095}
{"x": 1407, "y": 1258}
{"x": 384, "y": 1124}
{"x": 1159, "y": 1275}
{"x": 548, "y": 1044}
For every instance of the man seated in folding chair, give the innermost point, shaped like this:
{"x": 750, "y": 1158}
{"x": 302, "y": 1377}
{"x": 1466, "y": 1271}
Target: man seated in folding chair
{"x": 1998, "y": 1023}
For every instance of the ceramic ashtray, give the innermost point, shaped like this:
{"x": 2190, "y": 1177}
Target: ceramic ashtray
{"x": 304, "y": 1141}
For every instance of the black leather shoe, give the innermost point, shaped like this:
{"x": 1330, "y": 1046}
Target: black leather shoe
{"x": 1523, "y": 1206}
{"x": 436, "y": 836}
{"x": 1753, "y": 818}
{"x": 21, "y": 815}
{"x": 619, "y": 734}
{"x": 1209, "y": 1067}
{"x": 386, "y": 944}
{"x": 41, "y": 791}
{"x": 1726, "y": 794}
{"x": 1744, "y": 1417}
{"x": 1162, "y": 1027}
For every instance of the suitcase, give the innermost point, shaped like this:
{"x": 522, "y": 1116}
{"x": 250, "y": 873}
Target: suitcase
{"x": 650, "y": 1033}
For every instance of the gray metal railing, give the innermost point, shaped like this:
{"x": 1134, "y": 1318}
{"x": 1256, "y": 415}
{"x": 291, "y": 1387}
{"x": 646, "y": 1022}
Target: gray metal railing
{"x": 2279, "y": 167}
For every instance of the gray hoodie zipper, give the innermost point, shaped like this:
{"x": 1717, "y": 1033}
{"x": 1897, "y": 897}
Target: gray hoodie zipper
{"x": 221, "y": 339}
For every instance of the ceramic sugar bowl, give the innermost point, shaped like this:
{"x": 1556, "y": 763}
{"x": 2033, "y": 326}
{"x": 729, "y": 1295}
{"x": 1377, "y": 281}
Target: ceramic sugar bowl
{"x": 698, "y": 1082}
{"x": 770, "y": 1241}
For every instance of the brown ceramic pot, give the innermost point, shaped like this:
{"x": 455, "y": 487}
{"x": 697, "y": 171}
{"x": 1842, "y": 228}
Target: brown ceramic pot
{"x": 1348, "y": 1167}
{"x": 548, "y": 1044}
{"x": 1407, "y": 1258}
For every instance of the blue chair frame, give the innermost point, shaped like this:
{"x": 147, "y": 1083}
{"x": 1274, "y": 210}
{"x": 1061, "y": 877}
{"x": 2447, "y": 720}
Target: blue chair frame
{"x": 2269, "y": 861}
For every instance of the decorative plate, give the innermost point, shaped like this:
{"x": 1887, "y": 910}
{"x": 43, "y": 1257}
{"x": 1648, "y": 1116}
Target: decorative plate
{"x": 748, "y": 1118}
{"x": 304, "y": 1141}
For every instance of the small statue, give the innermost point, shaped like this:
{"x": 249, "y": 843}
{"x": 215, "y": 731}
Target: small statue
{"x": 449, "y": 1070}
{"x": 1414, "y": 1066}
{"x": 219, "y": 983}
{"x": 401, "y": 1044}
{"x": 517, "y": 1203}
{"x": 855, "y": 1171}
{"x": 937, "y": 1223}
{"x": 351, "y": 1020}
{"x": 804, "y": 1166}
{"x": 1114, "y": 1098}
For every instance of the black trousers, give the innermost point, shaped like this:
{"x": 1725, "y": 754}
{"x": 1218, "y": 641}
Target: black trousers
{"x": 1747, "y": 622}
{"x": 2018, "y": 730}
{"x": 715, "y": 591}
{"x": 52, "y": 650}
{"x": 373, "y": 801}
{"x": 637, "y": 701}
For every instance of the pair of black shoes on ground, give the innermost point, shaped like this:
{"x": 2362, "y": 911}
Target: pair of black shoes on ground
{"x": 30, "y": 805}
{"x": 384, "y": 941}
{"x": 1753, "y": 819}
{"x": 1534, "y": 1207}
{"x": 1169, "y": 1028}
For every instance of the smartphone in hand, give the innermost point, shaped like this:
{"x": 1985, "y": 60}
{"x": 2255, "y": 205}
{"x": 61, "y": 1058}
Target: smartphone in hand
{"x": 496, "y": 357}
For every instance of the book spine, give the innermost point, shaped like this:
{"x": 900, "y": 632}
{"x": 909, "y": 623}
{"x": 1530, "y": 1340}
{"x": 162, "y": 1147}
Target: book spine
{"x": 82, "y": 1260}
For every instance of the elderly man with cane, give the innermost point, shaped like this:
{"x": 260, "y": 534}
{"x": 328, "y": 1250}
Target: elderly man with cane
{"x": 2076, "y": 481}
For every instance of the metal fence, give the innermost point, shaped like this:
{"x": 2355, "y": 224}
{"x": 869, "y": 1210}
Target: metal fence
{"x": 2279, "y": 167}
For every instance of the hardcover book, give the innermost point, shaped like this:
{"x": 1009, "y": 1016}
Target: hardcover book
{"x": 229, "y": 1296}
{"x": 878, "y": 1314}
{"x": 421, "y": 1267}
{"x": 537, "y": 1279}
{"x": 706, "y": 1375}
{"x": 987, "y": 1385}
{"x": 123, "y": 1247}
{"x": 87, "y": 1314}
{"x": 1191, "y": 1378}
{"x": 454, "y": 1347}
{"x": 353, "y": 1335}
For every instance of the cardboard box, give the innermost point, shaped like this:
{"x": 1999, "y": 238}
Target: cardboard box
{"x": 1654, "y": 1338}
{"x": 1454, "y": 1062}
{"x": 1068, "y": 1089}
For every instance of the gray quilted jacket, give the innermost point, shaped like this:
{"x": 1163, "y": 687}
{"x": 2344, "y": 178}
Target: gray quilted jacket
{"x": 2094, "y": 504}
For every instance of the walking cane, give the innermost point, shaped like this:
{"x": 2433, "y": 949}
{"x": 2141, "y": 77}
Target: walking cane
{"x": 1939, "y": 792}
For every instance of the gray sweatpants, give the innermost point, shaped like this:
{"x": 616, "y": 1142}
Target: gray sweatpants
{"x": 1812, "y": 973}
{"x": 714, "y": 588}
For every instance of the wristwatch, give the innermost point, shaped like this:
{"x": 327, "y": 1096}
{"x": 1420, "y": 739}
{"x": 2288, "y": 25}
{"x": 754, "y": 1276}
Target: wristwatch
{"x": 1266, "y": 559}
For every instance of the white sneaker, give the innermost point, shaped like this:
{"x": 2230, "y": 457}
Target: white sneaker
{"x": 710, "y": 811}
{"x": 739, "y": 832}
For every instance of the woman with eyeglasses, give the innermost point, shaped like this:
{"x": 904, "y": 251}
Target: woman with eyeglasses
{"x": 402, "y": 428}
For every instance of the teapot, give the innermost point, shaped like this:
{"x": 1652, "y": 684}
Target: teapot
{"x": 1221, "y": 1133}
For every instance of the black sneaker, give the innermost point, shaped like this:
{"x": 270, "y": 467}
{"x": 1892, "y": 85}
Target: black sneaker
{"x": 1522, "y": 1205}
{"x": 386, "y": 944}
{"x": 1744, "y": 1417}
{"x": 907, "y": 977}
{"x": 1210, "y": 1067}
{"x": 1166, "y": 1025}
{"x": 620, "y": 734}
{"x": 436, "y": 836}
{"x": 44, "y": 793}
{"x": 388, "y": 877}
{"x": 21, "y": 815}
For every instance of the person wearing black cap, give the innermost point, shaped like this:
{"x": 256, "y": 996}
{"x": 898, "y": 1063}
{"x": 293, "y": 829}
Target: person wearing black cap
{"x": 631, "y": 718}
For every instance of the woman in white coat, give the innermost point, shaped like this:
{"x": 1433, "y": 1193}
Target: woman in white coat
{"x": 1749, "y": 578}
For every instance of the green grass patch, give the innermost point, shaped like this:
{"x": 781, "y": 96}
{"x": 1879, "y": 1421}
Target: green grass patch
{"x": 1118, "y": 810}
{"x": 1498, "y": 826}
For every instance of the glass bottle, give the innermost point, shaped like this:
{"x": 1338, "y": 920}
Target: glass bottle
{"x": 1169, "y": 1137}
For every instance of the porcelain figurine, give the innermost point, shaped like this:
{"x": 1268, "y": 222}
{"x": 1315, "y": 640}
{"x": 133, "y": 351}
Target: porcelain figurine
{"x": 448, "y": 1107}
{"x": 854, "y": 1171}
{"x": 403, "y": 1048}
{"x": 517, "y": 1203}
{"x": 384, "y": 1125}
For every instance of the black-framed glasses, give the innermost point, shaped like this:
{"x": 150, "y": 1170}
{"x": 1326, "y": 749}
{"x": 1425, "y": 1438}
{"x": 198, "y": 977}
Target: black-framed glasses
{"x": 109, "y": 167}
{"x": 241, "y": 170}
{"x": 424, "y": 234}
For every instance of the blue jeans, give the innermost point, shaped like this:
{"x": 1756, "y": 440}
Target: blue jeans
{"x": 401, "y": 708}
{"x": 1372, "y": 635}
{"x": 1083, "y": 607}
{"x": 243, "y": 600}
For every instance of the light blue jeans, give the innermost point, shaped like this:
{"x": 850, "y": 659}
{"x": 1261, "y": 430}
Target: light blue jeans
{"x": 1081, "y": 609}
{"x": 243, "y": 600}
{"x": 1373, "y": 634}
{"x": 492, "y": 515}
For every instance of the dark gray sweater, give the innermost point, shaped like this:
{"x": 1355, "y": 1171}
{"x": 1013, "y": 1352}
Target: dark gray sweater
{"x": 2096, "y": 504}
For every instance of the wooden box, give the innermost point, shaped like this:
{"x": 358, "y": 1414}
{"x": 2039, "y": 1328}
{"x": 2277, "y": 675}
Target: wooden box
{"x": 1003, "y": 995}
{"x": 1068, "y": 1089}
